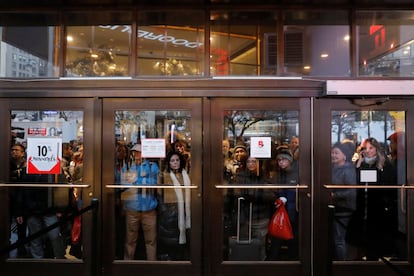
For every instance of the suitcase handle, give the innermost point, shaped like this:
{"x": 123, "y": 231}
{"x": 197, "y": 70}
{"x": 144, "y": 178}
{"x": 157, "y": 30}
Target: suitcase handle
{"x": 238, "y": 220}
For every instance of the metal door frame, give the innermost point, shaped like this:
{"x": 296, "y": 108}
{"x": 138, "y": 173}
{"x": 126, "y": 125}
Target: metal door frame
{"x": 121, "y": 267}
{"x": 90, "y": 189}
{"x": 323, "y": 264}
{"x": 213, "y": 234}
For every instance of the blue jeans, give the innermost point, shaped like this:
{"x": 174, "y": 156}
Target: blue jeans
{"x": 36, "y": 223}
{"x": 13, "y": 238}
{"x": 340, "y": 226}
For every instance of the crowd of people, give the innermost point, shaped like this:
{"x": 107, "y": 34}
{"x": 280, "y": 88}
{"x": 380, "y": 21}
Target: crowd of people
{"x": 35, "y": 208}
{"x": 369, "y": 223}
{"x": 160, "y": 218}
{"x": 242, "y": 169}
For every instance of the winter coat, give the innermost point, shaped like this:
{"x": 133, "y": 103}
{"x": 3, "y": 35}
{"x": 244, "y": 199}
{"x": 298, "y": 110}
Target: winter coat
{"x": 344, "y": 199}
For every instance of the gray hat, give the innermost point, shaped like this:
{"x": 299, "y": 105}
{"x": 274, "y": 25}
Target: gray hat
{"x": 347, "y": 148}
{"x": 285, "y": 154}
{"x": 240, "y": 146}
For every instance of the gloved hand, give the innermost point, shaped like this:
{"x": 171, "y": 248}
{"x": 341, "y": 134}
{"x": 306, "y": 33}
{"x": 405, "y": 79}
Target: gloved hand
{"x": 281, "y": 200}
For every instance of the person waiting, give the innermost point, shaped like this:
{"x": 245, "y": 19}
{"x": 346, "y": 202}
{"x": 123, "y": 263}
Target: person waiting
{"x": 140, "y": 206}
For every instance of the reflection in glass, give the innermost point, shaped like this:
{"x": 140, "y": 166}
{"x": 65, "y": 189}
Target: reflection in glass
{"x": 258, "y": 149}
{"x": 152, "y": 148}
{"x": 35, "y": 208}
{"x": 235, "y": 46}
{"x": 29, "y": 51}
{"x": 316, "y": 43}
{"x": 97, "y": 51}
{"x": 369, "y": 149}
{"x": 385, "y": 43}
{"x": 171, "y": 43}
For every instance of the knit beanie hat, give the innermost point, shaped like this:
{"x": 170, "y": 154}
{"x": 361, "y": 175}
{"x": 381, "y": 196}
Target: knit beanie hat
{"x": 347, "y": 148}
{"x": 285, "y": 154}
{"x": 240, "y": 146}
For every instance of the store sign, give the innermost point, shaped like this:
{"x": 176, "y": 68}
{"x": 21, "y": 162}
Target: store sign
{"x": 156, "y": 37}
{"x": 261, "y": 147}
{"x": 378, "y": 33}
{"x": 153, "y": 148}
{"x": 44, "y": 155}
{"x": 39, "y": 131}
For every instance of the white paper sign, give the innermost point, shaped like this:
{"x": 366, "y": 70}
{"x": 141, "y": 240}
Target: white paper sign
{"x": 153, "y": 148}
{"x": 261, "y": 147}
{"x": 44, "y": 155}
{"x": 368, "y": 175}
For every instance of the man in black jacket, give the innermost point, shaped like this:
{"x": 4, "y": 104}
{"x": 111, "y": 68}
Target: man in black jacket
{"x": 34, "y": 207}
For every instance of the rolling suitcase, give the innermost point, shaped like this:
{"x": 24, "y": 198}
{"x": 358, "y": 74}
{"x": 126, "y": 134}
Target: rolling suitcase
{"x": 244, "y": 250}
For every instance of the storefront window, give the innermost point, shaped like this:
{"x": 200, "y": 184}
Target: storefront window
{"x": 98, "y": 45}
{"x": 243, "y": 43}
{"x": 385, "y": 43}
{"x": 29, "y": 45}
{"x": 170, "y": 43}
{"x": 316, "y": 43}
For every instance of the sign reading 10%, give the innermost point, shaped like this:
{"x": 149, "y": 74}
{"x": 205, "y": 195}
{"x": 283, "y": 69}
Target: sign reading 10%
{"x": 44, "y": 155}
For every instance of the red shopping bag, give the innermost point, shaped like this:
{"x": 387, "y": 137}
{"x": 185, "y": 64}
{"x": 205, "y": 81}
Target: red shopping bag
{"x": 77, "y": 221}
{"x": 279, "y": 226}
{"x": 76, "y": 229}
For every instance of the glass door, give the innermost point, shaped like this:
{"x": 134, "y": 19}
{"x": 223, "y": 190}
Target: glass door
{"x": 152, "y": 186}
{"x": 47, "y": 186}
{"x": 364, "y": 194}
{"x": 260, "y": 166}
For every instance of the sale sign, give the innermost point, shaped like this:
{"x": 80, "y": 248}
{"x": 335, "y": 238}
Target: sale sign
{"x": 44, "y": 155}
{"x": 261, "y": 147}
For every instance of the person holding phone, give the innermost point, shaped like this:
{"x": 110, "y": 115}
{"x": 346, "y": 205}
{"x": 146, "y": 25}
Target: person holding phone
{"x": 374, "y": 223}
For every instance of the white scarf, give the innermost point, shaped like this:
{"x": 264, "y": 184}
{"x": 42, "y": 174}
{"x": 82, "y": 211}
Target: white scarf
{"x": 370, "y": 160}
{"x": 184, "y": 217}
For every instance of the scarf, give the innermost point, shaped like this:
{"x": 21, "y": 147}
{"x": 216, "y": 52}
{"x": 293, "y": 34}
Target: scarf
{"x": 184, "y": 205}
{"x": 370, "y": 160}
